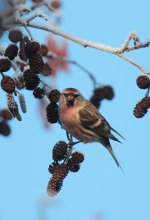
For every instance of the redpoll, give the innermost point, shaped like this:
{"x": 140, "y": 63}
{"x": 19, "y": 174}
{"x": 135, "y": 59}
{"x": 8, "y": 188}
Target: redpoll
{"x": 83, "y": 121}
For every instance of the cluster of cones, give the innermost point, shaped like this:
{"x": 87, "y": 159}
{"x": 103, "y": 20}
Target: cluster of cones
{"x": 141, "y": 108}
{"x": 64, "y": 161}
{"x": 101, "y": 93}
{"x": 5, "y": 116}
{"x": 29, "y": 58}
{"x": 52, "y": 108}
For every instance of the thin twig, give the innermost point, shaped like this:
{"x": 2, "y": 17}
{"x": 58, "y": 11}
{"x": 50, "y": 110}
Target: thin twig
{"x": 29, "y": 32}
{"x": 133, "y": 63}
{"x": 51, "y": 55}
{"x": 41, "y": 15}
{"x": 38, "y": 5}
{"x": 45, "y": 85}
{"x": 147, "y": 92}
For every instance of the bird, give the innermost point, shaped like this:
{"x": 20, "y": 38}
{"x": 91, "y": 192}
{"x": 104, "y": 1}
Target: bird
{"x": 82, "y": 120}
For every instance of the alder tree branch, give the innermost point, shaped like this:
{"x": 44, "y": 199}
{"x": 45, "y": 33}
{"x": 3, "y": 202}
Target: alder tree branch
{"x": 99, "y": 46}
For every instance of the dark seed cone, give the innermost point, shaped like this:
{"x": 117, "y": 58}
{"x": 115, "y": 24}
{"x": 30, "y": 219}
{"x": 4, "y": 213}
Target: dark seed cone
{"x": 52, "y": 113}
{"x": 8, "y": 84}
{"x": 31, "y": 80}
{"x": 43, "y": 50}
{"x": 145, "y": 103}
{"x": 95, "y": 101}
{"x": 46, "y": 71}
{"x": 39, "y": 93}
{"x": 31, "y": 48}
{"x": 60, "y": 151}
{"x": 11, "y": 51}
{"x": 6, "y": 115}
{"x": 97, "y": 97}
{"x": 73, "y": 167}
{"x": 60, "y": 172}
{"x": 108, "y": 92}
{"x": 54, "y": 186}
{"x": 77, "y": 157}
{"x": 54, "y": 95}
{"x": 100, "y": 93}
{"x": 141, "y": 107}
{"x": 139, "y": 112}
{"x": 15, "y": 36}
{"x": 52, "y": 167}
{"x": 4, "y": 128}
{"x": 36, "y": 63}
{"x": 143, "y": 82}
{"x": 5, "y": 65}
{"x": 22, "y": 53}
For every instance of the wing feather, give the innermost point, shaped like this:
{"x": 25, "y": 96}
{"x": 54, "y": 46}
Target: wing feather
{"x": 91, "y": 119}
{"x": 89, "y": 115}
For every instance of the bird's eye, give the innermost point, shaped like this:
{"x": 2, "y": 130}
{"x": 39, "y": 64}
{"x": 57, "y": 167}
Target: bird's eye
{"x": 66, "y": 94}
{"x": 76, "y": 95}
{"x": 72, "y": 94}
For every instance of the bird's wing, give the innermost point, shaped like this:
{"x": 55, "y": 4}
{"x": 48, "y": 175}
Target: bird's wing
{"x": 89, "y": 116}
{"x": 91, "y": 119}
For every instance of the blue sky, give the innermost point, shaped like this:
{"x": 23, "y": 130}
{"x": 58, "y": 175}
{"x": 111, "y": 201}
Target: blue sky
{"x": 99, "y": 188}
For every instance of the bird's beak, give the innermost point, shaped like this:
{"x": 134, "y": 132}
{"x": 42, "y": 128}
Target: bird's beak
{"x": 70, "y": 100}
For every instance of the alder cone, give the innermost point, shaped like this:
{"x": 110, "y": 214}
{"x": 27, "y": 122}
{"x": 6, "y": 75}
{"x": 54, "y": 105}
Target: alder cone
{"x": 142, "y": 107}
{"x": 60, "y": 151}
{"x": 108, "y": 92}
{"x": 139, "y": 112}
{"x": 15, "y": 36}
{"x": 60, "y": 172}
{"x": 52, "y": 167}
{"x": 143, "y": 82}
{"x": 5, "y": 65}
{"x": 36, "y": 63}
{"x": 8, "y": 84}
{"x": 11, "y": 51}
{"x": 4, "y": 128}
{"x": 77, "y": 157}
{"x": 32, "y": 48}
{"x": 145, "y": 102}
{"x": 73, "y": 167}
{"x": 6, "y": 115}
{"x": 39, "y": 93}
{"x": 52, "y": 113}
{"x": 31, "y": 80}
{"x": 54, "y": 95}
{"x": 54, "y": 186}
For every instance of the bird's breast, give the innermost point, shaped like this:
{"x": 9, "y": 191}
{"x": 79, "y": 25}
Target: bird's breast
{"x": 67, "y": 116}
{"x": 69, "y": 121}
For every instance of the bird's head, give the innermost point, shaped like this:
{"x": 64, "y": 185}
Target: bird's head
{"x": 70, "y": 97}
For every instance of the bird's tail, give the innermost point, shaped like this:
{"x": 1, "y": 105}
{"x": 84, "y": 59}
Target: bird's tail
{"x": 109, "y": 148}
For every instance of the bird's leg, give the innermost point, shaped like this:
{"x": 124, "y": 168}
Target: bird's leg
{"x": 67, "y": 135}
{"x": 76, "y": 142}
{"x": 70, "y": 146}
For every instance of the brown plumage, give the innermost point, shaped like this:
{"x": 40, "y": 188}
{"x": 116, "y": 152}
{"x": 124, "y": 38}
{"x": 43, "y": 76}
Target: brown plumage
{"x": 84, "y": 122}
